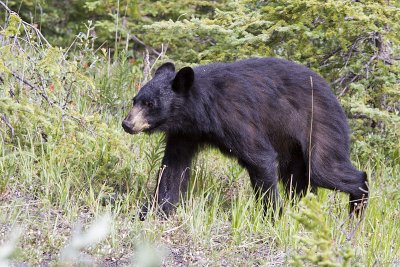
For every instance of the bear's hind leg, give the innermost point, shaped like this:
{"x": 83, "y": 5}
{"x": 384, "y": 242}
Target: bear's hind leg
{"x": 344, "y": 177}
{"x": 293, "y": 172}
{"x": 358, "y": 196}
{"x": 263, "y": 176}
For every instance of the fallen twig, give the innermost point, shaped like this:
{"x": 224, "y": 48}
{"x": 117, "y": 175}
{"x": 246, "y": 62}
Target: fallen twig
{"x": 16, "y": 76}
{"x": 7, "y": 122}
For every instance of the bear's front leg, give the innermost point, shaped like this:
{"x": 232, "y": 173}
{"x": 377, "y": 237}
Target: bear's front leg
{"x": 172, "y": 180}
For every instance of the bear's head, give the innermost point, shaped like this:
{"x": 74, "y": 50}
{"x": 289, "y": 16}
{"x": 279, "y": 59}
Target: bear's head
{"x": 158, "y": 102}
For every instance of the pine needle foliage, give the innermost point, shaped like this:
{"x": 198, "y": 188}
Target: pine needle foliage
{"x": 317, "y": 246}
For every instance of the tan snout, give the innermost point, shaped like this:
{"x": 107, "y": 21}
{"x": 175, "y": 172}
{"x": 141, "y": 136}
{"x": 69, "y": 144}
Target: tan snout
{"x": 135, "y": 122}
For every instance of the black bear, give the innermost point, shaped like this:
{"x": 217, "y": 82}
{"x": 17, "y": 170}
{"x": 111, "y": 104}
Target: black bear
{"x": 278, "y": 118}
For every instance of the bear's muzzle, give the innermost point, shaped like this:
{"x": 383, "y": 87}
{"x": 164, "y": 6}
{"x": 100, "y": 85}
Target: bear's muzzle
{"x": 135, "y": 122}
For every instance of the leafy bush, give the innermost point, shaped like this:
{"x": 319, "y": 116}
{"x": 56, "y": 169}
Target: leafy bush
{"x": 49, "y": 105}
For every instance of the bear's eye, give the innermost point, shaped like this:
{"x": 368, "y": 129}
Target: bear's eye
{"x": 148, "y": 104}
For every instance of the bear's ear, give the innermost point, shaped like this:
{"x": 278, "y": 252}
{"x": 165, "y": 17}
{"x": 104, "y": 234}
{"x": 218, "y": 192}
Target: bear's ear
{"x": 183, "y": 80}
{"x": 170, "y": 67}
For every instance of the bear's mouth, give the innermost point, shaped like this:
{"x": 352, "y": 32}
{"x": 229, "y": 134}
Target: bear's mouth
{"x": 132, "y": 127}
{"x": 148, "y": 130}
{"x": 153, "y": 128}
{"x": 127, "y": 128}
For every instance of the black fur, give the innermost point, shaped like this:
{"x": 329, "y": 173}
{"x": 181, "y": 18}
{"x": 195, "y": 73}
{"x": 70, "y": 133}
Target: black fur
{"x": 260, "y": 111}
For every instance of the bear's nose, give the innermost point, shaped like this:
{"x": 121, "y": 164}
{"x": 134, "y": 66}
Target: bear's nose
{"x": 127, "y": 126}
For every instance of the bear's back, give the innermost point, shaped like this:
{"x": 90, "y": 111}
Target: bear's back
{"x": 271, "y": 77}
{"x": 280, "y": 71}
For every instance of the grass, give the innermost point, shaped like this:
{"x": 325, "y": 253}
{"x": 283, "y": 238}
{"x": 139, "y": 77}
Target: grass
{"x": 69, "y": 163}
{"x": 218, "y": 223}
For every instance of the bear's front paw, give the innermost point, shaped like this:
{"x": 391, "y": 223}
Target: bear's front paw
{"x": 143, "y": 212}
{"x": 163, "y": 210}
